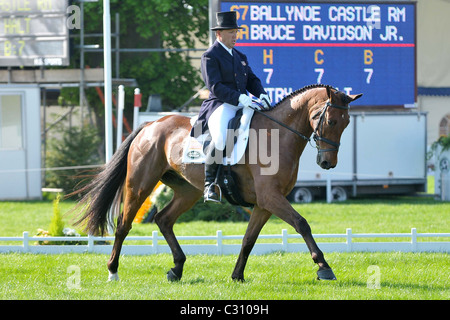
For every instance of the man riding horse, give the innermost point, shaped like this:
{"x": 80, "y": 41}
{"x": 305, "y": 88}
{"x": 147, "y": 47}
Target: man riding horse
{"x": 228, "y": 77}
{"x": 151, "y": 154}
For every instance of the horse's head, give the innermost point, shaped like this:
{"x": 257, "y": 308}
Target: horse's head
{"x": 329, "y": 119}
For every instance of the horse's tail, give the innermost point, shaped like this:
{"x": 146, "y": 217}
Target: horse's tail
{"x": 105, "y": 189}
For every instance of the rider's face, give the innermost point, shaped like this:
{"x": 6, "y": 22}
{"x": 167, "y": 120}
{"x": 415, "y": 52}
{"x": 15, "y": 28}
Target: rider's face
{"x": 227, "y": 37}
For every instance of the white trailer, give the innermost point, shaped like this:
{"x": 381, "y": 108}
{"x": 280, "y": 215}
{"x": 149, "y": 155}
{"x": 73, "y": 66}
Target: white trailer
{"x": 380, "y": 153}
{"x": 20, "y": 142}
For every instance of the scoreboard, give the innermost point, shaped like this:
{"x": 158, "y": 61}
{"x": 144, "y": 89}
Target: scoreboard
{"x": 356, "y": 47}
{"x": 33, "y": 33}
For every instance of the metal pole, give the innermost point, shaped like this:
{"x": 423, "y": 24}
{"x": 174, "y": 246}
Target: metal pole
{"x": 108, "y": 79}
{"x": 81, "y": 89}
{"x": 117, "y": 45}
{"x": 44, "y": 132}
{"x": 108, "y": 92}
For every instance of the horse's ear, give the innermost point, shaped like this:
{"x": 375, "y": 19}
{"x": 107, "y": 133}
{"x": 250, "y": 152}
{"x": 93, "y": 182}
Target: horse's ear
{"x": 330, "y": 93}
{"x": 353, "y": 97}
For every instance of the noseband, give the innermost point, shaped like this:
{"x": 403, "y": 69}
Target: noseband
{"x": 316, "y": 137}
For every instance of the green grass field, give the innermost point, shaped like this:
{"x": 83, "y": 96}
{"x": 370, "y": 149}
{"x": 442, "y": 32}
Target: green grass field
{"x": 420, "y": 276}
{"x": 272, "y": 276}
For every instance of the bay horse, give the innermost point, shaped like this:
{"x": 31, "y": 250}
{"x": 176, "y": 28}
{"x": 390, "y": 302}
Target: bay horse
{"x": 152, "y": 153}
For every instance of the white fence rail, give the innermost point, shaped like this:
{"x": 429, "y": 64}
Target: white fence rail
{"x": 412, "y": 243}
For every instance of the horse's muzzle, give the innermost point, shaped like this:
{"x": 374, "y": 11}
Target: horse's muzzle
{"x": 325, "y": 165}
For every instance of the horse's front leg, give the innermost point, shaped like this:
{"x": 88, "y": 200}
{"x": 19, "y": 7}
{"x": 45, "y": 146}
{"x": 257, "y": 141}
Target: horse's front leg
{"x": 278, "y": 205}
{"x": 257, "y": 220}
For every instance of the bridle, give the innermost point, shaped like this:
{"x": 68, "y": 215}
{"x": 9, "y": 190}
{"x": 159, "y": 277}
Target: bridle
{"x": 318, "y": 137}
{"x": 317, "y": 133}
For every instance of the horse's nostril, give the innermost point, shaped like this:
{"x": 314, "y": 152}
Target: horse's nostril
{"x": 325, "y": 165}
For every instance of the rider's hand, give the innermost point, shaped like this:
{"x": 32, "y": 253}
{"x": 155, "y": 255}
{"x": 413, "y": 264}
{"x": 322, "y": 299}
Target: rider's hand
{"x": 265, "y": 101}
{"x": 245, "y": 100}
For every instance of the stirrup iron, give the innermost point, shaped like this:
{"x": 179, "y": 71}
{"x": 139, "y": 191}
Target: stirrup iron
{"x": 207, "y": 193}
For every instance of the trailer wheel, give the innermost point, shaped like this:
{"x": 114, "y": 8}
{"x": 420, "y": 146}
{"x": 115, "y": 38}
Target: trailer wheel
{"x": 339, "y": 194}
{"x": 302, "y": 195}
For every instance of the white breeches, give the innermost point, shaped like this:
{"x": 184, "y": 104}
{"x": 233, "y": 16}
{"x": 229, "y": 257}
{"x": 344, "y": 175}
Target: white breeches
{"x": 218, "y": 124}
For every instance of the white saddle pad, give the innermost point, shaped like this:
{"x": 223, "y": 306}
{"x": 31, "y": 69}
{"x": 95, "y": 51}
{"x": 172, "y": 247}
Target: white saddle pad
{"x": 193, "y": 147}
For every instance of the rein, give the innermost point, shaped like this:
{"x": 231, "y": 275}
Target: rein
{"x": 316, "y": 137}
{"x": 283, "y": 125}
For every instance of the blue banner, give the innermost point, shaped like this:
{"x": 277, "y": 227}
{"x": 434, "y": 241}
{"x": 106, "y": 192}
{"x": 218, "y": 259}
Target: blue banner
{"x": 364, "y": 48}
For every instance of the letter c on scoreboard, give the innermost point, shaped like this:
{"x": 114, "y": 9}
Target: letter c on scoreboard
{"x": 318, "y": 60}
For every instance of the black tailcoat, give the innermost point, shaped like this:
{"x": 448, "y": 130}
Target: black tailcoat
{"x": 226, "y": 77}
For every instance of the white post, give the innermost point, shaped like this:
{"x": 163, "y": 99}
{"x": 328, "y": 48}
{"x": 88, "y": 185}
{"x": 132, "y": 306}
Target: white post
{"x": 108, "y": 79}
{"x": 155, "y": 241}
{"x": 219, "y": 242}
{"x": 413, "y": 239}
{"x": 25, "y": 241}
{"x": 284, "y": 236}
{"x": 137, "y": 105}
{"x": 329, "y": 195}
{"x": 349, "y": 239}
{"x": 121, "y": 106}
{"x": 90, "y": 243}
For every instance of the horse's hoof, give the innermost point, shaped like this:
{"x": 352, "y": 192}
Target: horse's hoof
{"x": 171, "y": 276}
{"x": 113, "y": 277}
{"x": 325, "y": 274}
{"x": 238, "y": 279}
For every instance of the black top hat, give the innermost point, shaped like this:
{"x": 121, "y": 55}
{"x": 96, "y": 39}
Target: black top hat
{"x": 226, "y": 20}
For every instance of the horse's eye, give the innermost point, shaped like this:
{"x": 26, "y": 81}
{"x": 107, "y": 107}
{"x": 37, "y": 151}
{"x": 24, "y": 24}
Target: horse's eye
{"x": 331, "y": 122}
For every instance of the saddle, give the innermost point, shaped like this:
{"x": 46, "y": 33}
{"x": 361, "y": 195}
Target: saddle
{"x": 227, "y": 180}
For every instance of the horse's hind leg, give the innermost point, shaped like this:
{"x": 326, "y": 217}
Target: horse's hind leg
{"x": 185, "y": 196}
{"x": 139, "y": 183}
{"x": 132, "y": 203}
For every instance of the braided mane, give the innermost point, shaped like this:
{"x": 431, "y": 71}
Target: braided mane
{"x": 299, "y": 91}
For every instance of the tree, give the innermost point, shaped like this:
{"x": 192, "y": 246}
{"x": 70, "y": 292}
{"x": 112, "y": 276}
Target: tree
{"x": 76, "y": 146}
{"x": 154, "y": 24}
{"x": 145, "y": 24}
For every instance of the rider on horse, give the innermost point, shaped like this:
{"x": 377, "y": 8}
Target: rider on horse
{"x": 228, "y": 77}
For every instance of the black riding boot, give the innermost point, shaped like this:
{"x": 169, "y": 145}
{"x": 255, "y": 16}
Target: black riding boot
{"x": 211, "y": 168}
